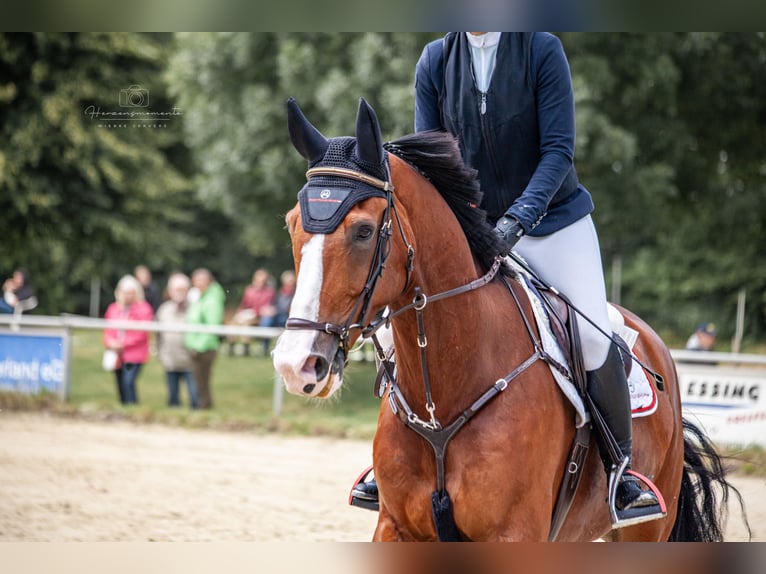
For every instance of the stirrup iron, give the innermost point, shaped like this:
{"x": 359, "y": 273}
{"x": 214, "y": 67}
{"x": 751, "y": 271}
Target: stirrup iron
{"x": 633, "y": 516}
{"x": 360, "y": 502}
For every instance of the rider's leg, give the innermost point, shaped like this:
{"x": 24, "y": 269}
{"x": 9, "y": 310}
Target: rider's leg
{"x": 570, "y": 260}
{"x": 608, "y": 387}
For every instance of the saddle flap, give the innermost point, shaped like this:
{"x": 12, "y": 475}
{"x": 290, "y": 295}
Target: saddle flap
{"x": 559, "y": 315}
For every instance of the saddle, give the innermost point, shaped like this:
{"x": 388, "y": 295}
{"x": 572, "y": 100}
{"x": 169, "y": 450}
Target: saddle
{"x": 561, "y": 326}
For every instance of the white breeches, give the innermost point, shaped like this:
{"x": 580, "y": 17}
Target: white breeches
{"x": 570, "y": 261}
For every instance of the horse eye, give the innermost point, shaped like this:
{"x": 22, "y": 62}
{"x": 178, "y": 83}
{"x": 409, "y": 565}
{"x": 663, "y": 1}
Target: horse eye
{"x": 364, "y": 233}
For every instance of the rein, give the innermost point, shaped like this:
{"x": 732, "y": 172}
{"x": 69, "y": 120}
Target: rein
{"x": 419, "y": 304}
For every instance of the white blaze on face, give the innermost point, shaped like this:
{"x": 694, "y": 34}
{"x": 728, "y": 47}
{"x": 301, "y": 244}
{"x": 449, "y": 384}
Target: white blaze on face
{"x": 305, "y": 304}
{"x": 293, "y": 347}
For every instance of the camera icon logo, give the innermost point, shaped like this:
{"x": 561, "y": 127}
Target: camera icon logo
{"x": 134, "y": 97}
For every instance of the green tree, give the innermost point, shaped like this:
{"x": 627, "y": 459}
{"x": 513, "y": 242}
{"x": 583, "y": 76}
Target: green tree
{"x": 670, "y": 143}
{"x": 80, "y": 198}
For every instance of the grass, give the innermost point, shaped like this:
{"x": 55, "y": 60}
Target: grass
{"x": 242, "y": 387}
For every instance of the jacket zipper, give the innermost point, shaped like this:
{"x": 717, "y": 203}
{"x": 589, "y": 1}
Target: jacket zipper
{"x": 490, "y": 147}
{"x": 483, "y": 93}
{"x": 485, "y": 131}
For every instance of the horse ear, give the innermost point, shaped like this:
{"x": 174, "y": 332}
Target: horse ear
{"x": 308, "y": 140}
{"x": 369, "y": 143}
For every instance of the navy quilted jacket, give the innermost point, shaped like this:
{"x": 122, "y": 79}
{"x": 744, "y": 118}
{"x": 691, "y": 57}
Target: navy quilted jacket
{"x": 519, "y": 134}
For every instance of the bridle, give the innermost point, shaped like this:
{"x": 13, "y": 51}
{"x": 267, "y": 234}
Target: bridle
{"x": 377, "y": 264}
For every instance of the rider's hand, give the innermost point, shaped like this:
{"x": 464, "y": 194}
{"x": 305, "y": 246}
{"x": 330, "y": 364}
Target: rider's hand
{"x": 509, "y": 230}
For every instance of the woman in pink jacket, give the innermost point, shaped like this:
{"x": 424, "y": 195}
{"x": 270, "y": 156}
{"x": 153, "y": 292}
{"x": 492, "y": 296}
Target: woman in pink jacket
{"x": 132, "y": 346}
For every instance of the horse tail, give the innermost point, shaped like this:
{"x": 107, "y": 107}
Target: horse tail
{"x": 701, "y": 515}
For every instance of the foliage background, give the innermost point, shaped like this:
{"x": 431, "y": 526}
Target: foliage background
{"x": 670, "y": 142}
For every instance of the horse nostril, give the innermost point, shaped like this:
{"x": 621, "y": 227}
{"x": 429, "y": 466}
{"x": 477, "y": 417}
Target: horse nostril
{"x": 321, "y": 368}
{"x": 308, "y": 388}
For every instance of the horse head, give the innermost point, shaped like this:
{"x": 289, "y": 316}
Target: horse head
{"x": 341, "y": 230}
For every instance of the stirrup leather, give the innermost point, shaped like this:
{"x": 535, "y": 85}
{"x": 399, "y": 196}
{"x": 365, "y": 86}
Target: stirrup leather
{"x": 632, "y": 516}
{"x": 360, "y": 502}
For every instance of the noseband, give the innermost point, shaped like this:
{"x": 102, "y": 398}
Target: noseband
{"x": 378, "y": 263}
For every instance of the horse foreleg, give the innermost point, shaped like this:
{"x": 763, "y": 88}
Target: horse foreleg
{"x": 386, "y": 530}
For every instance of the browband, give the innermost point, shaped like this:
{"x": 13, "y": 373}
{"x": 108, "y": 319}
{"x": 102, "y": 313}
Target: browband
{"x": 350, "y": 174}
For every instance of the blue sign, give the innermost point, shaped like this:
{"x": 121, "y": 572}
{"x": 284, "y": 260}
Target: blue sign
{"x": 34, "y": 362}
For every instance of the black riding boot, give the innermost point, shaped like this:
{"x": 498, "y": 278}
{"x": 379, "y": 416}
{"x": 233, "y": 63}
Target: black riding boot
{"x": 608, "y": 387}
{"x": 365, "y": 492}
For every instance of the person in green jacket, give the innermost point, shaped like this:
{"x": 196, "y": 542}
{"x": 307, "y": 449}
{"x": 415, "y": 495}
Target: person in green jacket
{"x": 203, "y": 347}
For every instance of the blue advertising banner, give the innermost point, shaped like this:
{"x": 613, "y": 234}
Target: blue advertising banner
{"x": 32, "y": 362}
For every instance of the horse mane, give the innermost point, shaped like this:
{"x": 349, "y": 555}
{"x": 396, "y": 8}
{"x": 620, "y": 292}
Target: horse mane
{"x": 436, "y": 155}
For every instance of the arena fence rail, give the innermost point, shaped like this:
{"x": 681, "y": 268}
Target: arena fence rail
{"x": 725, "y": 392}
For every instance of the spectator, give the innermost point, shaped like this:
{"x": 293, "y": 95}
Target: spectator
{"x": 256, "y": 303}
{"x": 203, "y": 347}
{"x": 173, "y": 355}
{"x": 131, "y": 346}
{"x": 703, "y": 339}
{"x": 275, "y": 315}
{"x": 18, "y": 293}
{"x": 151, "y": 289}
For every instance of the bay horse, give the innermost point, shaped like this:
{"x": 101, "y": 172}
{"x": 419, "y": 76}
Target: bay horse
{"x": 397, "y": 226}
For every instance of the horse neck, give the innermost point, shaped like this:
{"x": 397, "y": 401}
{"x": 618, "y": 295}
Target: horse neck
{"x": 443, "y": 258}
{"x": 455, "y": 327}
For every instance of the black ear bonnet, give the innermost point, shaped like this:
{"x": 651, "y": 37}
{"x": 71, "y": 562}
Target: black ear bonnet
{"x": 325, "y": 200}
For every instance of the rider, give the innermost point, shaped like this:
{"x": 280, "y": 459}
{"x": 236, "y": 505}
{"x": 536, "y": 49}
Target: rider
{"x": 508, "y": 98}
